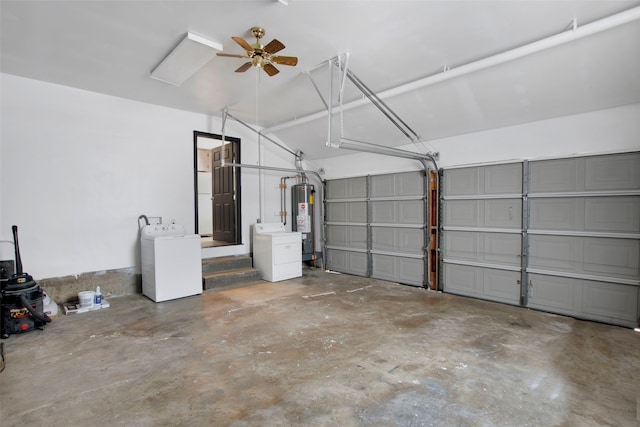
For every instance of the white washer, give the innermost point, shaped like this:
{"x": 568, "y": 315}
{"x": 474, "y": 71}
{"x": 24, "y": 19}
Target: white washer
{"x": 171, "y": 262}
{"x": 277, "y": 253}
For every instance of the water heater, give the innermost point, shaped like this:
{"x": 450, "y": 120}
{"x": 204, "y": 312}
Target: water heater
{"x": 302, "y": 196}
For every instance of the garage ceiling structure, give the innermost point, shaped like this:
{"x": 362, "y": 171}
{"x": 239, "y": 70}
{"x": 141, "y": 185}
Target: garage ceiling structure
{"x": 404, "y": 49}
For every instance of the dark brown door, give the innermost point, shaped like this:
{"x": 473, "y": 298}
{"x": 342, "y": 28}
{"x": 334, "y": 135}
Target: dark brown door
{"x": 223, "y": 194}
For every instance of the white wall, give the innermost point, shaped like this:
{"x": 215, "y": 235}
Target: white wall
{"x": 603, "y": 131}
{"x": 78, "y": 168}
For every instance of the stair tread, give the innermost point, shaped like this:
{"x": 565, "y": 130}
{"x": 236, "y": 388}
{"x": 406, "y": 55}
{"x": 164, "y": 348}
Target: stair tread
{"x": 226, "y": 263}
{"x": 238, "y": 271}
{"x": 225, "y": 258}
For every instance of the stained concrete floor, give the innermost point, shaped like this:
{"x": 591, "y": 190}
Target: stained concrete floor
{"x": 322, "y": 350}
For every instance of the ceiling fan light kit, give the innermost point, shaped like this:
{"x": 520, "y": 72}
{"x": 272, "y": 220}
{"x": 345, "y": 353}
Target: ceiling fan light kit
{"x": 261, "y": 56}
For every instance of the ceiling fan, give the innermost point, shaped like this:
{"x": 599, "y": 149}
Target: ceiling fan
{"x": 261, "y": 56}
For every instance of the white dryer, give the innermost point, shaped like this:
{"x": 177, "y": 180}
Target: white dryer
{"x": 171, "y": 262}
{"x": 277, "y": 253}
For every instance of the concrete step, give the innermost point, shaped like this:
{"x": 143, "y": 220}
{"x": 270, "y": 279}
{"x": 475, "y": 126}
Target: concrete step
{"x": 227, "y": 263}
{"x": 228, "y": 279}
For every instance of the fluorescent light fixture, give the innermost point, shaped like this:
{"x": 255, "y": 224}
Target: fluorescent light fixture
{"x": 284, "y": 2}
{"x": 191, "y": 54}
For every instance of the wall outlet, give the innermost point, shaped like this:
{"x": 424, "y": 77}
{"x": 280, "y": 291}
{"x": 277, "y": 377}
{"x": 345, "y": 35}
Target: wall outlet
{"x": 153, "y": 220}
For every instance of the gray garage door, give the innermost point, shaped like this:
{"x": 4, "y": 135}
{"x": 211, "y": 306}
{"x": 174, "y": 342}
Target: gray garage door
{"x": 559, "y": 235}
{"x": 482, "y": 232}
{"x": 376, "y": 226}
{"x": 584, "y": 237}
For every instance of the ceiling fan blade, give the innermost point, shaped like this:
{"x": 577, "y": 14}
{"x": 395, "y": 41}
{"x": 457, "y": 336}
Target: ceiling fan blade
{"x": 231, "y": 55}
{"x": 273, "y": 47}
{"x": 244, "y": 67}
{"x": 242, "y": 42}
{"x": 270, "y": 69}
{"x": 284, "y": 60}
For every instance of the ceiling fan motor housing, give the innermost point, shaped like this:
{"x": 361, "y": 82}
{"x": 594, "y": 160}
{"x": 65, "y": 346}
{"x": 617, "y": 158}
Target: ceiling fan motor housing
{"x": 257, "y": 61}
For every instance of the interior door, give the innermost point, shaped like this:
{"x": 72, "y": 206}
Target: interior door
{"x": 223, "y": 194}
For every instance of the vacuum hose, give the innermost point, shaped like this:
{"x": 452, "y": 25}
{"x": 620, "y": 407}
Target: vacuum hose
{"x": 40, "y": 316}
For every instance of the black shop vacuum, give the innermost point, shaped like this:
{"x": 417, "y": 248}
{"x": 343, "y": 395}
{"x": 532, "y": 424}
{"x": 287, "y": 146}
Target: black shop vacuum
{"x": 21, "y": 300}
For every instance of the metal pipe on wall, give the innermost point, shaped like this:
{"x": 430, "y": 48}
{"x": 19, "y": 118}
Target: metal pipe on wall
{"x": 311, "y": 172}
{"x": 283, "y": 195}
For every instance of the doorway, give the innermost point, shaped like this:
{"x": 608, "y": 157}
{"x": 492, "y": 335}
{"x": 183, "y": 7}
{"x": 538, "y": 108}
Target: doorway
{"x": 217, "y": 189}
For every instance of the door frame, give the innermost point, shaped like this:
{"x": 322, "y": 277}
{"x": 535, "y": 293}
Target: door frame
{"x": 237, "y": 184}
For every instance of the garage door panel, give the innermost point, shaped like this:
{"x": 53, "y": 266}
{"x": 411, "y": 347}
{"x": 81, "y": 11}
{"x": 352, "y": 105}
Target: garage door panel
{"x": 503, "y": 179}
{"x": 492, "y": 248}
{"x": 594, "y": 173}
{"x": 612, "y": 172}
{"x": 409, "y": 271}
{"x": 347, "y": 262}
{"x": 398, "y": 212}
{"x": 336, "y": 260}
{"x": 503, "y": 213}
{"x": 581, "y": 234}
{"x": 481, "y": 239}
{"x": 612, "y": 257}
{"x": 462, "y": 182}
{"x": 463, "y": 280}
{"x": 553, "y": 176}
{"x": 348, "y": 188}
{"x": 587, "y": 299}
{"x": 491, "y": 213}
{"x": 559, "y": 253}
{"x": 553, "y": 293}
{"x": 405, "y": 184}
{"x": 610, "y": 302}
{"x": 337, "y": 212}
{"x": 556, "y": 214}
{"x": 347, "y": 212}
{"x": 375, "y": 226}
{"x": 607, "y": 257}
{"x": 410, "y": 184}
{"x": 502, "y": 248}
{"x": 462, "y": 245}
{"x": 484, "y": 180}
{"x": 596, "y": 214}
{"x": 462, "y": 213}
{"x": 383, "y": 186}
{"x": 402, "y": 240}
{"x": 347, "y": 236}
{"x": 501, "y": 285}
{"x": 484, "y": 283}
{"x": 615, "y": 214}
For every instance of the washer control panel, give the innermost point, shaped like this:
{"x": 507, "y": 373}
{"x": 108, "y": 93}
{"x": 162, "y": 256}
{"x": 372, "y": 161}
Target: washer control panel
{"x": 156, "y": 230}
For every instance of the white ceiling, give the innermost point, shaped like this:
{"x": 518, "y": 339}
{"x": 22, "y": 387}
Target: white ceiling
{"x": 111, "y": 46}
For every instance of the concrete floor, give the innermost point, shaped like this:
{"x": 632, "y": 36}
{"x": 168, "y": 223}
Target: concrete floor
{"x": 323, "y": 350}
